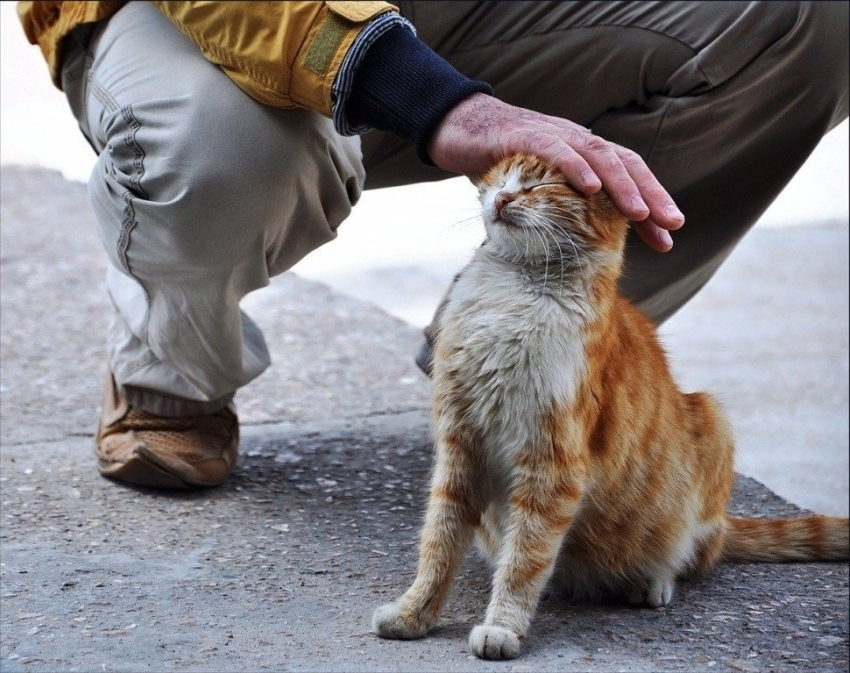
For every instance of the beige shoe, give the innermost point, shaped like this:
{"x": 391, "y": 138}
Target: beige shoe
{"x": 135, "y": 446}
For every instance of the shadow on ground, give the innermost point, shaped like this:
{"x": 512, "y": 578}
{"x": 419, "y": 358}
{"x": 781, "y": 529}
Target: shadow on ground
{"x": 282, "y": 567}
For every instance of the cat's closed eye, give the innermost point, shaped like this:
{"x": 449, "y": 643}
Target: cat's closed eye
{"x": 545, "y": 184}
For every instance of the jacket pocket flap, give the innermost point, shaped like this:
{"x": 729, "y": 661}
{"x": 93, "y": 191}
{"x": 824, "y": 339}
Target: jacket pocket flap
{"x": 358, "y": 12}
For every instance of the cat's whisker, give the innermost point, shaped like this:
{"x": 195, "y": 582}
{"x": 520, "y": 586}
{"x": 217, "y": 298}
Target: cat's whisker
{"x": 476, "y": 217}
{"x": 562, "y": 263}
{"x": 547, "y": 227}
{"x": 578, "y": 256}
{"x": 540, "y": 231}
{"x": 544, "y": 241}
{"x": 532, "y": 219}
{"x": 569, "y": 239}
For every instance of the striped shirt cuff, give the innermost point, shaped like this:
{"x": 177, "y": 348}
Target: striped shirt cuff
{"x": 341, "y": 89}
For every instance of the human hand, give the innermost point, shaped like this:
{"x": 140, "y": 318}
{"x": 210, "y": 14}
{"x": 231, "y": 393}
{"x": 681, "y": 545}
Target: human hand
{"x": 481, "y": 130}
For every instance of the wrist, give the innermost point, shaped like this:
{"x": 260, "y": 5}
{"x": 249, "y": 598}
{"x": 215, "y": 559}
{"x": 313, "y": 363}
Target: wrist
{"x": 406, "y": 89}
{"x": 456, "y": 129}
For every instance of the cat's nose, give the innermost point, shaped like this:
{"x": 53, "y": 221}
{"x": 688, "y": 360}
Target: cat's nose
{"x": 503, "y": 199}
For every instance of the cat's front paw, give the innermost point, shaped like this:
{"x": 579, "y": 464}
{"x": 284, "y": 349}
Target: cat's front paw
{"x": 494, "y": 642}
{"x": 391, "y": 621}
{"x": 660, "y": 593}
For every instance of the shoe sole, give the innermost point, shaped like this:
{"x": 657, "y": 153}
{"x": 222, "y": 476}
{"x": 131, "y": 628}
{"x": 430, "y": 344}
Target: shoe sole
{"x": 141, "y": 472}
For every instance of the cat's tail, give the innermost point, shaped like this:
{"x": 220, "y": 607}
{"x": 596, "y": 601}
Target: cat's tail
{"x": 804, "y": 538}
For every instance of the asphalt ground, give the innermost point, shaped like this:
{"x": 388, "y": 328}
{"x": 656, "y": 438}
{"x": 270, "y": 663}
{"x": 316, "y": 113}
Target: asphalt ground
{"x": 282, "y": 567}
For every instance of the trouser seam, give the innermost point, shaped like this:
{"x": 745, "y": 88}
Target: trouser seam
{"x": 137, "y": 364}
{"x": 127, "y": 225}
{"x": 101, "y": 94}
{"x": 138, "y": 152}
{"x": 129, "y": 222}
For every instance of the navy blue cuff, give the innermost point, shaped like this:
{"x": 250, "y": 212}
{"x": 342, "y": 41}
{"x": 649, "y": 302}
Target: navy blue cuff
{"x": 341, "y": 89}
{"x": 403, "y": 87}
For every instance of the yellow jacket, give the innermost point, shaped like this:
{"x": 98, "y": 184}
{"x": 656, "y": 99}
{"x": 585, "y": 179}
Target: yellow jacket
{"x": 284, "y": 54}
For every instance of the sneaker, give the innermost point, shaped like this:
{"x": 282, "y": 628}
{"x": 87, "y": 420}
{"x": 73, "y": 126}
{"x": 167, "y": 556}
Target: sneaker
{"x": 140, "y": 448}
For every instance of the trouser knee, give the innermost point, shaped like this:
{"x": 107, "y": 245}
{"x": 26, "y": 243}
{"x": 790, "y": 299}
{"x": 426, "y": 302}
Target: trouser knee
{"x": 817, "y": 62}
{"x": 193, "y": 236}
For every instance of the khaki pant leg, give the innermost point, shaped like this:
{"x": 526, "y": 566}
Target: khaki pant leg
{"x": 200, "y": 195}
{"x": 724, "y": 100}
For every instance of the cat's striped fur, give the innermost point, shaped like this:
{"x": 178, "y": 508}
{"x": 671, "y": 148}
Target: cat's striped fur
{"x": 562, "y": 441}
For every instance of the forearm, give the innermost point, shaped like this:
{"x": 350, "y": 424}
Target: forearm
{"x": 400, "y": 86}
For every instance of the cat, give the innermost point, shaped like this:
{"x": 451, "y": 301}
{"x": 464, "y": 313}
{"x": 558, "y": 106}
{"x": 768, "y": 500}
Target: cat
{"x": 562, "y": 441}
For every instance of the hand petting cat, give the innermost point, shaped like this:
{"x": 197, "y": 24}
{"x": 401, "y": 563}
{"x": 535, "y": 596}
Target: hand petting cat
{"x": 481, "y": 130}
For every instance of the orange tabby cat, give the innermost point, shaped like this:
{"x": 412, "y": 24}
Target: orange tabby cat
{"x": 562, "y": 441}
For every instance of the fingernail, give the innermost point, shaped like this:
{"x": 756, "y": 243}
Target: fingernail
{"x": 665, "y": 238}
{"x": 589, "y": 179}
{"x": 674, "y": 213}
{"x": 639, "y": 204}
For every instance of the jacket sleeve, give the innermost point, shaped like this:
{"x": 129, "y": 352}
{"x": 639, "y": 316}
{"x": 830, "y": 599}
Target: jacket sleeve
{"x": 283, "y": 54}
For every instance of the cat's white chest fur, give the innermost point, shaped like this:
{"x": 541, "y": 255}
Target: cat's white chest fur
{"x": 514, "y": 347}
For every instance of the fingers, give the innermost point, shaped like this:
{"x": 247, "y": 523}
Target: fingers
{"x": 577, "y": 171}
{"x": 662, "y": 210}
{"x": 616, "y": 180}
{"x": 553, "y": 149}
{"x": 654, "y": 236}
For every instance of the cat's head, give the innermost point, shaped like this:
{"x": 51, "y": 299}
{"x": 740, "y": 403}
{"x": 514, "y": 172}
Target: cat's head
{"x": 532, "y": 215}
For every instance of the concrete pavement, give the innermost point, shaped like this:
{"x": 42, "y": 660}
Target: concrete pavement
{"x": 281, "y": 568}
